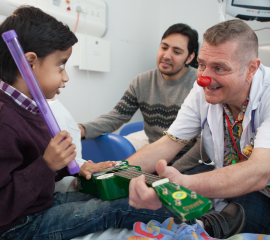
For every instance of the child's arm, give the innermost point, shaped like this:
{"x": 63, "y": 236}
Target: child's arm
{"x": 90, "y": 167}
{"x": 59, "y": 152}
{"x": 23, "y": 179}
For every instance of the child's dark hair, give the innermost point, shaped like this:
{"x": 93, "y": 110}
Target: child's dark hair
{"x": 37, "y": 32}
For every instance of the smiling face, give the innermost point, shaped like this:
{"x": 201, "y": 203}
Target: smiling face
{"x": 50, "y": 72}
{"x": 172, "y": 56}
{"x": 228, "y": 77}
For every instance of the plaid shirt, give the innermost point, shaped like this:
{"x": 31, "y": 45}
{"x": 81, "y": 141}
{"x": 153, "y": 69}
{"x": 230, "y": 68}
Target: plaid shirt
{"x": 19, "y": 98}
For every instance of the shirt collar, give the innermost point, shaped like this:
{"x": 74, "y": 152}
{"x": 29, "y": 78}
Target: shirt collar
{"x": 240, "y": 115}
{"x": 19, "y": 98}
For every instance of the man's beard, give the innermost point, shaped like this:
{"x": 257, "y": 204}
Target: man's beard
{"x": 172, "y": 73}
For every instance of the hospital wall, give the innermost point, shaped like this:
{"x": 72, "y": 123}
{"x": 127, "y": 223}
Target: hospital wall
{"x": 201, "y": 15}
{"x": 134, "y": 31}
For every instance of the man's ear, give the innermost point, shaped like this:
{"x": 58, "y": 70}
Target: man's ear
{"x": 190, "y": 58}
{"x": 252, "y": 68}
{"x": 32, "y": 59}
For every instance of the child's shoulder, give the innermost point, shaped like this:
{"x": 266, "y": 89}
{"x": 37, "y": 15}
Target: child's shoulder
{"x": 6, "y": 116}
{"x": 3, "y": 108}
{"x": 7, "y": 120}
{"x": 1, "y": 105}
{"x": 10, "y": 114}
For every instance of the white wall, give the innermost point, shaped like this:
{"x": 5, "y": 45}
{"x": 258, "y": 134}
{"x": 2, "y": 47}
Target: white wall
{"x": 264, "y": 53}
{"x": 135, "y": 28}
{"x": 202, "y": 14}
{"x": 133, "y": 32}
{"x": 2, "y": 18}
{"x": 198, "y": 14}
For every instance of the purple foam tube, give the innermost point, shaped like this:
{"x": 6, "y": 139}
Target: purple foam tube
{"x": 11, "y": 39}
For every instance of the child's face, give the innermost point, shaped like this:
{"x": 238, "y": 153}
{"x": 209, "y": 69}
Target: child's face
{"x": 51, "y": 74}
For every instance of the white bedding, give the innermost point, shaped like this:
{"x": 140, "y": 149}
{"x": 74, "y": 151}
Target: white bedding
{"x": 111, "y": 233}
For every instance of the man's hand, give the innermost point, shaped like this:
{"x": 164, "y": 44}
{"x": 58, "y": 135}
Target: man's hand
{"x": 168, "y": 172}
{"x": 90, "y": 167}
{"x": 60, "y": 151}
{"x": 82, "y": 130}
{"x": 142, "y": 196}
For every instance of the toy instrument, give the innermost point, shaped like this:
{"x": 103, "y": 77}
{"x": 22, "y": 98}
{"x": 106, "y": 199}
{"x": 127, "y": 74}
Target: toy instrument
{"x": 113, "y": 183}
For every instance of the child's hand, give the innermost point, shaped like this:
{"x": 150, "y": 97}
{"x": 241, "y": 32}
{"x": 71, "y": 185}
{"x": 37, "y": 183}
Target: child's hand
{"x": 59, "y": 152}
{"x": 89, "y": 167}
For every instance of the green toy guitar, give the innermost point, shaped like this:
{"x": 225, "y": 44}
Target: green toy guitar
{"x": 113, "y": 183}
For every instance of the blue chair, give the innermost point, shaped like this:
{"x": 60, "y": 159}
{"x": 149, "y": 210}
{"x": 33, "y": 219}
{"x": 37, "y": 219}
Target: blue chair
{"x": 131, "y": 128}
{"x": 107, "y": 147}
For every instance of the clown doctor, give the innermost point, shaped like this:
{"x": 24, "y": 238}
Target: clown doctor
{"x": 233, "y": 109}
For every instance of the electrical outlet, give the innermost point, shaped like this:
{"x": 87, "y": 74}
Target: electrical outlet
{"x": 81, "y": 8}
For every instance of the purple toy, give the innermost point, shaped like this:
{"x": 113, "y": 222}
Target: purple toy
{"x": 11, "y": 39}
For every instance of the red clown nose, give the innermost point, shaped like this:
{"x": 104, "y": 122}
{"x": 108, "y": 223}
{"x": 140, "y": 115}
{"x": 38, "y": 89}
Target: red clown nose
{"x": 203, "y": 81}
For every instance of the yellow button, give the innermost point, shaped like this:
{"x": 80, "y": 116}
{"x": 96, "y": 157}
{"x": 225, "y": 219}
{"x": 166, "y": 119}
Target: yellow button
{"x": 179, "y": 195}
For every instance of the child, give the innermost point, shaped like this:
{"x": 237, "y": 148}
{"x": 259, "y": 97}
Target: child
{"x": 30, "y": 161}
